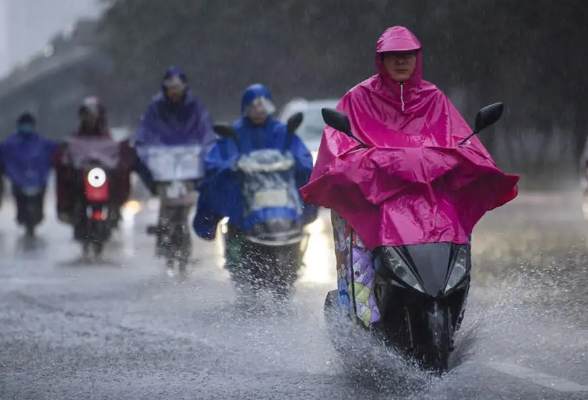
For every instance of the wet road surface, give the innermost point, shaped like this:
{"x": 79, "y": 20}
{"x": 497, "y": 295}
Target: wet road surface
{"x": 125, "y": 330}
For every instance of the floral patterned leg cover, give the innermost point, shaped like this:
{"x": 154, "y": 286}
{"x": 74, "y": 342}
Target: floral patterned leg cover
{"x": 360, "y": 261}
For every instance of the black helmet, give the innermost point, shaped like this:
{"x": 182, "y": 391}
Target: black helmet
{"x": 26, "y": 118}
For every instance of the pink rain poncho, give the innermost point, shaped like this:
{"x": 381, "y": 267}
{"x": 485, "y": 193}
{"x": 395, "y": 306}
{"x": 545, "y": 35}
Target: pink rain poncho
{"x": 414, "y": 184}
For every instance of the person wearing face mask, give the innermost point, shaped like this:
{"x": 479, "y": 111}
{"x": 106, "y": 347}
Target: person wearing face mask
{"x": 26, "y": 161}
{"x": 404, "y": 181}
{"x": 91, "y": 141}
{"x": 220, "y": 193}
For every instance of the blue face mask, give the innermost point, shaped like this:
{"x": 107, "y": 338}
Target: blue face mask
{"x": 26, "y": 128}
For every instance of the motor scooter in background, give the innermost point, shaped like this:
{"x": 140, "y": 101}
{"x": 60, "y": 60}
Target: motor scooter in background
{"x": 93, "y": 216}
{"x": 273, "y": 249}
{"x": 176, "y": 170}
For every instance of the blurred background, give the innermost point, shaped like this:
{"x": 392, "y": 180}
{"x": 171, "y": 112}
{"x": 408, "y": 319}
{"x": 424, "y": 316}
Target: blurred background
{"x": 528, "y": 55}
{"x": 124, "y": 329}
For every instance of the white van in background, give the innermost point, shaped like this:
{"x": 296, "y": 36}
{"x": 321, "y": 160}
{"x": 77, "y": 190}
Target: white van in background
{"x": 311, "y": 130}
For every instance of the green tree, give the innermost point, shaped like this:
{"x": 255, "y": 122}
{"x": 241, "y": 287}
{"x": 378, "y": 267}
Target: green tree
{"x": 528, "y": 55}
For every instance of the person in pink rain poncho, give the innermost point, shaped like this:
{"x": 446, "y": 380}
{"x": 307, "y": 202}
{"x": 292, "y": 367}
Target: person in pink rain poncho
{"x": 411, "y": 183}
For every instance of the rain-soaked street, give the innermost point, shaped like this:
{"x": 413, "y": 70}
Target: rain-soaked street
{"x": 125, "y": 330}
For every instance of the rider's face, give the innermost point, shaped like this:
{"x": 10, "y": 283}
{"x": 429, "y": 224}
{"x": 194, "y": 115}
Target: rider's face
{"x": 258, "y": 112}
{"x": 175, "y": 94}
{"x": 89, "y": 119}
{"x": 400, "y": 65}
{"x": 258, "y": 117}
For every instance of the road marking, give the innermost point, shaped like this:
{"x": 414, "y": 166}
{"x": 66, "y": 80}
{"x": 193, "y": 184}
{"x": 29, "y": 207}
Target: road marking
{"x": 538, "y": 378}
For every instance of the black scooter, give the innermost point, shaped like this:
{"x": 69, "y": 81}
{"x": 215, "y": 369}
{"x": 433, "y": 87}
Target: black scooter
{"x": 420, "y": 290}
{"x": 93, "y": 217}
{"x": 30, "y": 207}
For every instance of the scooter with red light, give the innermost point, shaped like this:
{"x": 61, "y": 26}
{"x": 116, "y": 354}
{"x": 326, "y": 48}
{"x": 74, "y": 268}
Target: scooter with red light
{"x": 94, "y": 222}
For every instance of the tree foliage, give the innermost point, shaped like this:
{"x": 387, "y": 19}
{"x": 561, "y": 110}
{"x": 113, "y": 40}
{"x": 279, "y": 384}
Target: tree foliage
{"x": 528, "y": 54}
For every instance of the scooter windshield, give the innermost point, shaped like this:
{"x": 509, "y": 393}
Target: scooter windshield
{"x": 269, "y": 186}
{"x": 103, "y": 151}
{"x": 174, "y": 163}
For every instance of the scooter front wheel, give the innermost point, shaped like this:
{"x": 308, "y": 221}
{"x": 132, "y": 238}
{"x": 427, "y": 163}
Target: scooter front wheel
{"x": 30, "y": 230}
{"x": 433, "y": 346}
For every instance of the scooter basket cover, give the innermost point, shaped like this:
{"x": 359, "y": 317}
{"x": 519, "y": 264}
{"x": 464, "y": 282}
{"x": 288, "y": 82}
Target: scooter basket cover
{"x": 269, "y": 182}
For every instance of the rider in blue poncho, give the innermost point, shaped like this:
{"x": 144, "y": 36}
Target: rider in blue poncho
{"x": 220, "y": 193}
{"x": 26, "y": 160}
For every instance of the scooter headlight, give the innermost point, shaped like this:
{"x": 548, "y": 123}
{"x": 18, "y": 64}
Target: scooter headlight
{"x": 459, "y": 269}
{"x": 96, "y": 177}
{"x": 400, "y": 269}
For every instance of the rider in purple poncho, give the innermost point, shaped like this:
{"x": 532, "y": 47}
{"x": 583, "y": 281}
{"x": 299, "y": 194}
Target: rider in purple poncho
{"x": 174, "y": 117}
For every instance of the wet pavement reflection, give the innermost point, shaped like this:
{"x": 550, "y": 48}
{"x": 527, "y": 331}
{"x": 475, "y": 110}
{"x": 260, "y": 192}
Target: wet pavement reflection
{"x": 124, "y": 329}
